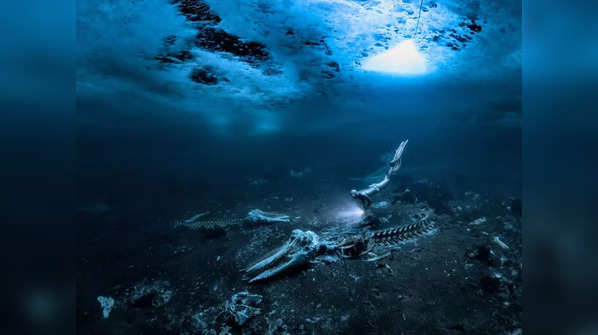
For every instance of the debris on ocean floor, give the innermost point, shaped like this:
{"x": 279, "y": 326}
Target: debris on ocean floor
{"x": 243, "y": 306}
{"x": 500, "y": 243}
{"x": 277, "y": 327}
{"x": 190, "y": 221}
{"x": 106, "y": 303}
{"x": 478, "y": 221}
{"x": 195, "y": 217}
{"x": 381, "y": 204}
{"x": 253, "y": 216}
{"x": 154, "y": 294}
{"x": 235, "y": 312}
{"x": 191, "y": 291}
{"x": 257, "y": 215}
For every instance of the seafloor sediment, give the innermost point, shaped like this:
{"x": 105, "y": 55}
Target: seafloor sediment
{"x": 464, "y": 278}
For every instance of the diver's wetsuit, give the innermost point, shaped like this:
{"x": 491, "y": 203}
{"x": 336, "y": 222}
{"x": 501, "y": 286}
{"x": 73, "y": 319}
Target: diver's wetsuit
{"x": 364, "y": 195}
{"x": 364, "y": 200}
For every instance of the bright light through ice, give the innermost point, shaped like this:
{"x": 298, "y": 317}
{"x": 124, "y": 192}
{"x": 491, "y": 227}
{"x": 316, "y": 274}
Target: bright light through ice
{"x": 403, "y": 59}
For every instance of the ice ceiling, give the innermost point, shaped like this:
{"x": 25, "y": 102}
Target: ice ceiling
{"x": 255, "y": 57}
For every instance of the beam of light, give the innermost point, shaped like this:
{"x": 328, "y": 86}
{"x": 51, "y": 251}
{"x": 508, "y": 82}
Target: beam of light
{"x": 403, "y": 59}
{"x": 352, "y": 211}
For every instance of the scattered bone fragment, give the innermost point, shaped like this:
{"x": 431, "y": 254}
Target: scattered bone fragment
{"x": 190, "y": 221}
{"x": 254, "y": 216}
{"x": 478, "y": 221}
{"x": 196, "y": 216}
{"x": 243, "y": 306}
{"x": 301, "y": 248}
{"x": 377, "y": 258}
{"x": 107, "y": 303}
{"x": 500, "y": 243}
{"x": 150, "y": 293}
{"x": 257, "y": 215}
{"x": 381, "y": 204}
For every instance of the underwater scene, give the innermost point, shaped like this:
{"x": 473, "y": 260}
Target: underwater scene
{"x": 299, "y": 167}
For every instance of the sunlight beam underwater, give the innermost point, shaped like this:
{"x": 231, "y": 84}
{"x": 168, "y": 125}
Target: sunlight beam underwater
{"x": 403, "y": 59}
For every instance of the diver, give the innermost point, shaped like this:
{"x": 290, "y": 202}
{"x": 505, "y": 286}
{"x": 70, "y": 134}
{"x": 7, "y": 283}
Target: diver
{"x": 363, "y": 196}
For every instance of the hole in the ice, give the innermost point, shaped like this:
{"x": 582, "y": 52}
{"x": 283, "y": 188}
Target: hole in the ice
{"x": 403, "y": 59}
